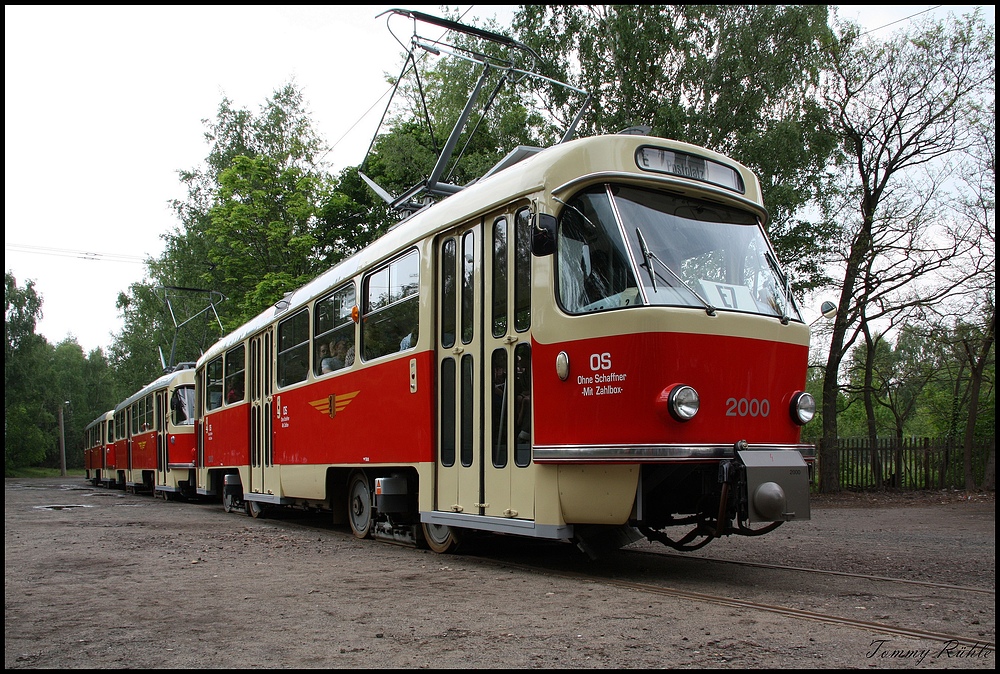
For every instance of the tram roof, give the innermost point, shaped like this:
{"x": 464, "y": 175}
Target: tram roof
{"x": 104, "y": 416}
{"x": 592, "y": 158}
{"x": 160, "y": 382}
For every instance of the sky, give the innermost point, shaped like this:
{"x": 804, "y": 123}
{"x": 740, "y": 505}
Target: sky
{"x": 104, "y": 105}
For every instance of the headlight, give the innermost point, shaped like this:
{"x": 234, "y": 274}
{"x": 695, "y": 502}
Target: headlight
{"x": 803, "y": 408}
{"x": 683, "y": 403}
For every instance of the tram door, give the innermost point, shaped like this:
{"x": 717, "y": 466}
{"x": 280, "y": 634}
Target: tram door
{"x": 508, "y": 488}
{"x": 483, "y": 360}
{"x": 261, "y": 445}
{"x": 460, "y": 370}
{"x": 161, "y": 438}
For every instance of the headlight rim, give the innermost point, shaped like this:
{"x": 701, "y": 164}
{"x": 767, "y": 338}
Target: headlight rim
{"x": 677, "y": 407}
{"x": 802, "y": 408}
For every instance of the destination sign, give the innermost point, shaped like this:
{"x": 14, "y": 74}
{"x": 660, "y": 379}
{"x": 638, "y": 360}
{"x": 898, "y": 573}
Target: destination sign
{"x": 690, "y": 166}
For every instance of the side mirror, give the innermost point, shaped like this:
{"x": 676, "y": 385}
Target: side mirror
{"x": 543, "y": 234}
{"x": 827, "y": 310}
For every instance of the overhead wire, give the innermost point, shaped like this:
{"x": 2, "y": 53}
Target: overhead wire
{"x": 905, "y": 18}
{"x": 89, "y": 255}
{"x": 379, "y": 100}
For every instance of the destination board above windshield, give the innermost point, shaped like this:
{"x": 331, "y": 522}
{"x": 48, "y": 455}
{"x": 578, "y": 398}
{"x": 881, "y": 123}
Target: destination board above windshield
{"x": 687, "y": 165}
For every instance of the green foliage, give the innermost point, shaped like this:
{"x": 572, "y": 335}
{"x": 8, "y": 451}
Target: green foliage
{"x": 27, "y": 420}
{"x": 739, "y": 79}
{"x": 429, "y": 102}
{"x": 39, "y": 381}
{"x": 41, "y": 472}
{"x": 261, "y": 231}
{"x": 253, "y": 226}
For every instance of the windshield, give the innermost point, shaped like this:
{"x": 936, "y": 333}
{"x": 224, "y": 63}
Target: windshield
{"x": 620, "y": 246}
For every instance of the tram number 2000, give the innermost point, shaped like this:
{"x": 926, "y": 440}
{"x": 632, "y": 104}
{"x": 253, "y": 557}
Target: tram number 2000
{"x": 744, "y": 407}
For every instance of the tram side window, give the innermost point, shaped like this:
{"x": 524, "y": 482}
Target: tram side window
{"x": 391, "y": 304}
{"x": 293, "y": 349}
{"x": 235, "y": 375}
{"x": 148, "y": 422}
{"x": 499, "y": 408}
{"x": 333, "y": 333}
{"x": 522, "y": 405}
{"x": 468, "y": 287}
{"x": 214, "y": 398}
{"x": 448, "y": 293}
{"x": 142, "y": 415}
{"x": 522, "y": 270}
{"x": 499, "y": 319}
{"x": 120, "y": 425}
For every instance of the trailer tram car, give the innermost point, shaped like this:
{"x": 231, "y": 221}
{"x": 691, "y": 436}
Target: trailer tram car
{"x": 588, "y": 344}
{"x": 98, "y": 442}
{"x": 154, "y": 436}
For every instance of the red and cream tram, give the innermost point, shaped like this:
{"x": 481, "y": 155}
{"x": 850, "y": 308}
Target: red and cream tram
{"x": 154, "y": 432}
{"x": 592, "y": 341}
{"x": 98, "y": 441}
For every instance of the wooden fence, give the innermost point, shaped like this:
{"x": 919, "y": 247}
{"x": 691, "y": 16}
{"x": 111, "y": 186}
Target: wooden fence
{"x": 915, "y": 463}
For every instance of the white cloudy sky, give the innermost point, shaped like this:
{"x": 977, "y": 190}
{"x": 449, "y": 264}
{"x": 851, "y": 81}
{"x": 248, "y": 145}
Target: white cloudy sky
{"x": 103, "y": 105}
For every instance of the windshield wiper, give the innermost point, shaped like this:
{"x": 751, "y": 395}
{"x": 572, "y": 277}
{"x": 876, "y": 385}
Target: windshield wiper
{"x": 783, "y": 280}
{"x": 648, "y": 255}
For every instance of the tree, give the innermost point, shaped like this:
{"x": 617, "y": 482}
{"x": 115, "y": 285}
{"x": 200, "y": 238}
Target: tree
{"x": 27, "y": 420}
{"x": 261, "y": 231}
{"x": 254, "y": 225}
{"x": 978, "y": 203}
{"x": 68, "y": 385}
{"x": 430, "y": 99}
{"x": 978, "y": 353}
{"x": 738, "y": 79}
{"x": 898, "y": 107}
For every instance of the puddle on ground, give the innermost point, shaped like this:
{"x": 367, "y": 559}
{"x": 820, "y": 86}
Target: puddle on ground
{"x": 61, "y": 507}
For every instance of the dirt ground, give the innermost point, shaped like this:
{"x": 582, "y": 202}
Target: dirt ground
{"x": 101, "y": 579}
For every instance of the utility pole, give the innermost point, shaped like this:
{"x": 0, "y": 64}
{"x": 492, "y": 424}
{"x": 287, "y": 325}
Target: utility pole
{"x": 62, "y": 442}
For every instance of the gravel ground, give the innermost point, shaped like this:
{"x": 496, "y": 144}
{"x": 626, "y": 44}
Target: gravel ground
{"x": 101, "y": 579}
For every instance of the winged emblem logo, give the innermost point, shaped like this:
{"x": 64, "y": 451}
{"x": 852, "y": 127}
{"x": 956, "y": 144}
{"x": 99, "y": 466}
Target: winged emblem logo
{"x": 334, "y": 403}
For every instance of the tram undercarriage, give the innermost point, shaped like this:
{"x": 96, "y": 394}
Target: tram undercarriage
{"x": 749, "y": 495}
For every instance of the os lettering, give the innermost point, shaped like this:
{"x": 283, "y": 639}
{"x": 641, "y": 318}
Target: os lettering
{"x": 600, "y": 361}
{"x": 747, "y": 408}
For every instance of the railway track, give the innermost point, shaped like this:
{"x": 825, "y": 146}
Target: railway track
{"x": 825, "y": 572}
{"x": 558, "y": 569}
{"x": 962, "y": 644}
{"x": 908, "y": 632}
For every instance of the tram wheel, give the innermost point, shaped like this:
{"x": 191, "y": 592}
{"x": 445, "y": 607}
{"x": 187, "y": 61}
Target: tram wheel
{"x": 359, "y": 505}
{"x": 227, "y": 502}
{"x": 255, "y": 509}
{"x": 440, "y": 537}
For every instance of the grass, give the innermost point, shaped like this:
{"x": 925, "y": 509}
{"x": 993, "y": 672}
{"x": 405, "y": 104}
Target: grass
{"x": 45, "y": 472}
